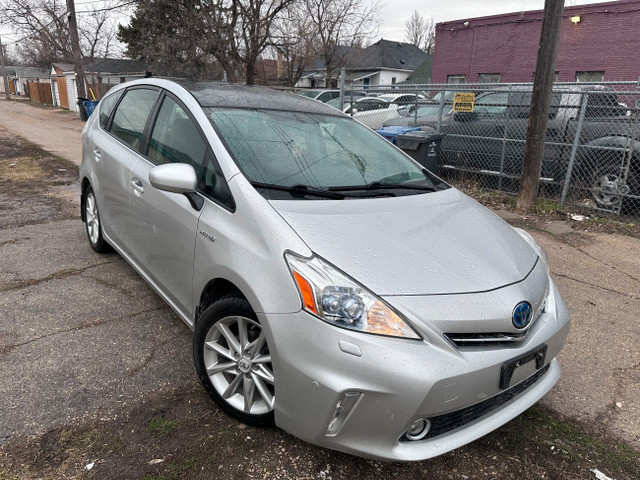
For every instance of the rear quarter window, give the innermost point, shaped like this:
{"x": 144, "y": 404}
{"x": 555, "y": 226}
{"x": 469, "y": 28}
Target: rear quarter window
{"x": 106, "y": 107}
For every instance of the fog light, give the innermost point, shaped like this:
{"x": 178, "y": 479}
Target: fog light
{"x": 419, "y": 429}
{"x": 345, "y": 404}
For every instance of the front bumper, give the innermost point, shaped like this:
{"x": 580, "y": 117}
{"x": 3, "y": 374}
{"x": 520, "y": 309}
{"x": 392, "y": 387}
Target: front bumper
{"x": 399, "y": 381}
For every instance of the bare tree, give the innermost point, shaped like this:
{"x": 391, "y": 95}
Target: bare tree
{"x": 97, "y": 30}
{"x": 292, "y": 40}
{"x": 255, "y": 19}
{"x": 421, "y": 32}
{"x": 339, "y": 26}
{"x": 414, "y": 29}
{"x": 44, "y": 27}
{"x": 429, "y": 44}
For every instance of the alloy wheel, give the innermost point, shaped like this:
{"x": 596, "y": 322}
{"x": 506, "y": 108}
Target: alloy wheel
{"x": 238, "y": 363}
{"x": 93, "y": 219}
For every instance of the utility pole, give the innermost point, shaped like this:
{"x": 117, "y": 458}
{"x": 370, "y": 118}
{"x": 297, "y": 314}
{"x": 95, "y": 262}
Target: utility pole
{"x": 540, "y": 103}
{"x": 75, "y": 46}
{"x": 7, "y": 93}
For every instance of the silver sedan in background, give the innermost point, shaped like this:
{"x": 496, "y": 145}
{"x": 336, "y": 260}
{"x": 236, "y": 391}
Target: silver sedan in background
{"x": 334, "y": 286}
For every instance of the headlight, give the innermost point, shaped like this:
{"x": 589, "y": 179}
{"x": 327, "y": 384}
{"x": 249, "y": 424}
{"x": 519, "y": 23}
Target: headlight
{"x": 339, "y": 300}
{"x": 535, "y": 245}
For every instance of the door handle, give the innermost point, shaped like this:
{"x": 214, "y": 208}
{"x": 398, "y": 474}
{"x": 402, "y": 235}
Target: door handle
{"x": 97, "y": 154}
{"x": 137, "y": 185}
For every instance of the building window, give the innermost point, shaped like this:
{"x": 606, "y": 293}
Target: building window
{"x": 456, "y": 79}
{"x": 589, "y": 76}
{"x": 393, "y": 80}
{"x": 488, "y": 78}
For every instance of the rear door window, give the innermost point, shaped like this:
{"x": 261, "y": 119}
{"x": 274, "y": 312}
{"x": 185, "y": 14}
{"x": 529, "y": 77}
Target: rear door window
{"x": 132, "y": 114}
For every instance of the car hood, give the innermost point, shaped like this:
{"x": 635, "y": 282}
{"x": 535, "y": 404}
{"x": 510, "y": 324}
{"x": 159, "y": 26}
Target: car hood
{"x": 435, "y": 243}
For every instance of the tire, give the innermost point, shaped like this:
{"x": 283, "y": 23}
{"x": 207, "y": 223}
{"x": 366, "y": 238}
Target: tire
{"x": 607, "y": 187}
{"x": 92, "y": 223}
{"x": 233, "y": 362}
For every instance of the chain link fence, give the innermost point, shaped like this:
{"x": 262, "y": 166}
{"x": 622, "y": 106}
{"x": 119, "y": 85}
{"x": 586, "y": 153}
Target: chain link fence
{"x": 592, "y": 147}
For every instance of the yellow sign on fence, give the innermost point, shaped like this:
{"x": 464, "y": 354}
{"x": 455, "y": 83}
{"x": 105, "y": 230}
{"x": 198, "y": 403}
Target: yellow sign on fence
{"x": 463, "y": 102}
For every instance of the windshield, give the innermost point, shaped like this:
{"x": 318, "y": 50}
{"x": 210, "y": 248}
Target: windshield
{"x": 314, "y": 150}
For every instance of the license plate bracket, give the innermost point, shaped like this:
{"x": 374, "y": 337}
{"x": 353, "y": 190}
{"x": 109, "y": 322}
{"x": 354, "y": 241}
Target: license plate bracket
{"x": 508, "y": 368}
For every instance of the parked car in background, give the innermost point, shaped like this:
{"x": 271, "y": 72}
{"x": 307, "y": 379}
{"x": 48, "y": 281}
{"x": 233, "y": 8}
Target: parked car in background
{"x": 335, "y": 287}
{"x": 429, "y": 106}
{"x": 327, "y": 95}
{"x": 320, "y": 95}
{"x": 402, "y": 99}
{"x": 491, "y": 138}
{"x": 371, "y": 111}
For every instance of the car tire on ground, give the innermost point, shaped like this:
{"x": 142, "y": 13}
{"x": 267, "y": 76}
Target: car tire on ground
{"x": 233, "y": 362}
{"x": 92, "y": 223}
{"x": 608, "y": 187}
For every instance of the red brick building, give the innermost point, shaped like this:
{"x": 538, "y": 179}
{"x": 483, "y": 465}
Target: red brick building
{"x": 598, "y": 42}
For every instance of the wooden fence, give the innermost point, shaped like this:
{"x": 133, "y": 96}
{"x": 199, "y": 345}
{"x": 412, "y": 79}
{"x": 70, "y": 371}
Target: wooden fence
{"x": 40, "y": 92}
{"x": 98, "y": 89}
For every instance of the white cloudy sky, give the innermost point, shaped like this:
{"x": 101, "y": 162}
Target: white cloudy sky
{"x": 395, "y": 12}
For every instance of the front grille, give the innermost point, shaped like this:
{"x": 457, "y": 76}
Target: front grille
{"x": 477, "y": 339}
{"x": 450, "y": 421}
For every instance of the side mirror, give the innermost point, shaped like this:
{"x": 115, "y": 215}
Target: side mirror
{"x": 465, "y": 116}
{"x": 174, "y": 177}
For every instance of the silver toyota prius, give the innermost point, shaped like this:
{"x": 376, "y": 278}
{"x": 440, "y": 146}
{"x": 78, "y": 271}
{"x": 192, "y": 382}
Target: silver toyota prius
{"x": 335, "y": 287}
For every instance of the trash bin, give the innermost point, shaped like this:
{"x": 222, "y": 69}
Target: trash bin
{"x": 390, "y": 133}
{"x": 90, "y": 106}
{"x": 83, "y": 111}
{"x": 423, "y": 147}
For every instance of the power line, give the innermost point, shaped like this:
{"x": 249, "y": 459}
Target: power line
{"x": 107, "y": 9}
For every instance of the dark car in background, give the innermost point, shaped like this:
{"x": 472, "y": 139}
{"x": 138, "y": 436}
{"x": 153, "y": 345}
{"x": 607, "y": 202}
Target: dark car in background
{"x": 490, "y": 140}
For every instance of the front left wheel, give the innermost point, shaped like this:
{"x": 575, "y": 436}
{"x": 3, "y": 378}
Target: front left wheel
{"x": 233, "y": 361}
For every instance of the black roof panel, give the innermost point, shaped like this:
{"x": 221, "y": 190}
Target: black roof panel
{"x": 217, "y": 94}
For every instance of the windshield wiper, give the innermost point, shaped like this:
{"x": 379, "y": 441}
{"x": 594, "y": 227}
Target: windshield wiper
{"x": 386, "y": 186}
{"x": 301, "y": 189}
